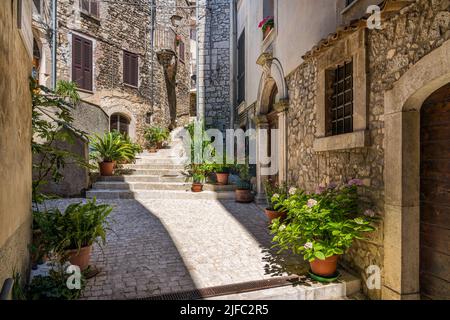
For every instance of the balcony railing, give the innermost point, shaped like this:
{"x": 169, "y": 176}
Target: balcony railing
{"x": 165, "y": 39}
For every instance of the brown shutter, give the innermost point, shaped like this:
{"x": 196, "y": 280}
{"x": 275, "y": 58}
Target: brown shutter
{"x": 77, "y": 61}
{"x": 181, "y": 50}
{"x": 134, "y": 67}
{"x": 94, "y": 9}
{"x": 126, "y": 67}
{"x": 88, "y": 65}
{"x": 85, "y": 5}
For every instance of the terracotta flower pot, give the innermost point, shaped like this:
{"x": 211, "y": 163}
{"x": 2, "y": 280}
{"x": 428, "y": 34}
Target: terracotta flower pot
{"x": 106, "y": 168}
{"x": 80, "y": 258}
{"x": 152, "y": 150}
{"x": 197, "y": 187}
{"x": 272, "y": 214}
{"x": 325, "y": 268}
{"x": 244, "y": 196}
{"x": 222, "y": 178}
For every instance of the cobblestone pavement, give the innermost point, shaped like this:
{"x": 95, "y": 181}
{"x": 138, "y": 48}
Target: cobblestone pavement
{"x": 165, "y": 246}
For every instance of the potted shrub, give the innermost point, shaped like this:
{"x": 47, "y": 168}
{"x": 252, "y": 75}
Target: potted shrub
{"x": 109, "y": 149}
{"x": 156, "y": 136}
{"x": 70, "y": 235}
{"x": 222, "y": 172}
{"x": 135, "y": 148}
{"x": 198, "y": 173}
{"x": 266, "y": 25}
{"x": 274, "y": 194}
{"x": 322, "y": 226}
{"x": 243, "y": 190}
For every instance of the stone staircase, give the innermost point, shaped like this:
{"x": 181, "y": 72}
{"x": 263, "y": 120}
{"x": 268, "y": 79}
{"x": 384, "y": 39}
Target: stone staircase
{"x": 156, "y": 176}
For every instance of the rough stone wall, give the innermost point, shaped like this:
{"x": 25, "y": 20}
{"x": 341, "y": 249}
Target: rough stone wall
{"x": 15, "y": 151}
{"x": 214, "y": 63}
{"x": 121, "y": 26}
{"x": 404, "y": 40}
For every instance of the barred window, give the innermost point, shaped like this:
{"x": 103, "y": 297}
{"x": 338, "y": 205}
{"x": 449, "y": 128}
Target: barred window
{"x": 341, "y": 113}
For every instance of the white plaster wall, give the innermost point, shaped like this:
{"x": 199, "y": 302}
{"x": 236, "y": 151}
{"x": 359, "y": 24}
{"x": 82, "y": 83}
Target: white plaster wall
{"x": 299, "y": 25}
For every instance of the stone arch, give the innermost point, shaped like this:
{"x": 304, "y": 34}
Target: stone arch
{"x": 124, "y": 111}
{"x": 271, "y": 79}
{"x": 402, "y": 171}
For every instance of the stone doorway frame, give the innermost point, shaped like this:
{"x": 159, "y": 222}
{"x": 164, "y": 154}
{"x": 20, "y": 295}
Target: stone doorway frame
{"x": 273, "y": 75}
{"x": 402, "y": 171}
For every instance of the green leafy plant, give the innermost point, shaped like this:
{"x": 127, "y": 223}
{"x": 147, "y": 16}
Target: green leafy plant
{"x": 156, "y": 135}
{"x": 51, "y": 125}
{"x": 111, "y": 147}
{"x": 321, "y": 225}
{"x": 243, "y": 170}
{"x": 134, "y": 148}
{"x": 53, "y": 287}
{"x": 79, "y": 226}
{"x": 271, "y": 189}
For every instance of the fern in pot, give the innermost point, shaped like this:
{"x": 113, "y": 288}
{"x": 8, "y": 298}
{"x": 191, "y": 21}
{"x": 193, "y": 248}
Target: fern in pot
{"x": 70, "y": 235}
{"x": 243, "y": 190}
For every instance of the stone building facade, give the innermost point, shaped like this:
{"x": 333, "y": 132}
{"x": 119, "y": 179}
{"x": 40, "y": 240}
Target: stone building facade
{"x": 115, "y": 31}
{"x": 215, "y": 92}
{"x": 394, "y": 70}
{"x": 16, "y": 43}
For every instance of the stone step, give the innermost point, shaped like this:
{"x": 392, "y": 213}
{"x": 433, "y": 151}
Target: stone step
{"x": 153, "y": 166}
{"x": 159, "y": 194}
{"x": 347, "y": 285}
{"x": 137, "y": 186}
{"x": 150, "y": 172}
{"x": 144, "y": 178}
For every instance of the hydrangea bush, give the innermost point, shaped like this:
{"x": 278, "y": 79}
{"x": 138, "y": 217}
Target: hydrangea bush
{"x": 322, "y": 224}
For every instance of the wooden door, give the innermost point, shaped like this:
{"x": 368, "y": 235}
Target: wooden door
{"x": 435, "y": 196}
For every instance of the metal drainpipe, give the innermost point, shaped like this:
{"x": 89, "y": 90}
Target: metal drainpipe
{"x": 200, "y": 106}
{"x": 152, "y": 53}
{"x": 233, "y": 37}
{"x": 54, "y": 42}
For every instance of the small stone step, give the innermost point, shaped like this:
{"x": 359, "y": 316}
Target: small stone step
{"x": 159, "y": 194}
{"x": 144, "y": 178}
{"x": 153, "y": 166}
{"x": 135, "y": 186}
{"x": 149, "y": 172}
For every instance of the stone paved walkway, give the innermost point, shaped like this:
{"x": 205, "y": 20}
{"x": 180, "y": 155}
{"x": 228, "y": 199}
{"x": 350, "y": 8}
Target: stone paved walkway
{"x": 163, "y": 246}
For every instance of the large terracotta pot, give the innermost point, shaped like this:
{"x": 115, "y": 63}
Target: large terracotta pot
{"x": 197, "y": 187}
{"x": 272, "y": 215}
{"x": 222, "y": 178}
{"x": 80, "y": 257}
{"x": 152, "y": 149}
{"x": 106, "y": 168}
{"x": 244, "y": 196}
{"x": 325, "y": 268}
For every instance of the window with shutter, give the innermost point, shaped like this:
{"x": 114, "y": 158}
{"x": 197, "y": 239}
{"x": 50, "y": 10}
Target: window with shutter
{"x": 130, "y": 69}
{"x": 90, "y": 7}
{"x": 241, "y": 68}
{"x": 82, "y": 62}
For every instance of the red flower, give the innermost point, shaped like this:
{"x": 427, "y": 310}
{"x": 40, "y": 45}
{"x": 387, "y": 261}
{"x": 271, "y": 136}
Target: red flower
{"x": 263, "y": 22}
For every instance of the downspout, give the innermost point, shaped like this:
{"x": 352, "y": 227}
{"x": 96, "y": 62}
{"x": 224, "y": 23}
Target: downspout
{"x": 54, "y": 42}
{"x": 152, "y": 58}
{"x": 200, "y": 101}
{"x": 233, "y": 44}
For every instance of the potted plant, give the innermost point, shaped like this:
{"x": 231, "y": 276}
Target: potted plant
{"x": 135, "y": 148}
{"x": 70, "y": 235}
{"x": 274, "y": 194}
{"x": 109, "y": 149}
{"x": 266, "y": 25}
{"x": 156, "y": 136}
{"x": 243, "y": 190}
{"x": 322, "y": 226}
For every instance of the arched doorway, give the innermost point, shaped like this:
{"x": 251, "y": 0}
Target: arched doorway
{"x": 402, "y": 173}
{"x": 435, "y": 195}
{"x": 121, "y": 123}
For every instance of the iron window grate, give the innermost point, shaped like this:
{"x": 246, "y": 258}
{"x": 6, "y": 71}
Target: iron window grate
{"x": 342, "y": 100}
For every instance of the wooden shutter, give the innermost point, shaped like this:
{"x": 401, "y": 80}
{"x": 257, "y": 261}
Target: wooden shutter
{"x": 130, "y": 69}
{"x": 94, "y": 9}
{"x": 181, "y": 51}
{"x": 77, "y": 61}
{"x": 85, "y": 5}
{"x": 82, "y": 62}
{"x": 241, "y": 68}
{"x": 134, "y": 68}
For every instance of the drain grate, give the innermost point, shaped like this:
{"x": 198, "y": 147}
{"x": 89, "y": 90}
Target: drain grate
{"x": 226, "y": 289}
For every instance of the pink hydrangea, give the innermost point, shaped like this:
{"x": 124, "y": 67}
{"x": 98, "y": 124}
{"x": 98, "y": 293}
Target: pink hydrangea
{"x": 311, "y": 203}
{"x": 355, "y": 182}
{"x": 369, "y": 213}
{"x": 308, "y": 245}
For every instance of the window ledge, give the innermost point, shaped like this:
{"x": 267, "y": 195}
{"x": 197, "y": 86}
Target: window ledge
{"x": 354, "y": 140}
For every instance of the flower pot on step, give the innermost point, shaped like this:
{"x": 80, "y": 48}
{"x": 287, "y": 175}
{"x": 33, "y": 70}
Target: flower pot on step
{"x": 106, "y": 168}
{"x": 197, "y": 187}
{"x": 222, "y": 178}
{"x": 272, "y": 214}
{"x": 244, "y": 195}
{"x": 325, "y": 268}
{"x": 80, "y": 257}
